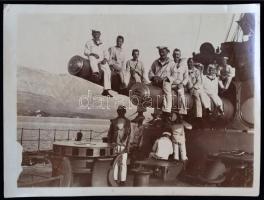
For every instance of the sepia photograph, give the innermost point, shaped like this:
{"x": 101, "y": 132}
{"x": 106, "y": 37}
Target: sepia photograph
{"x": 131, "y": 100}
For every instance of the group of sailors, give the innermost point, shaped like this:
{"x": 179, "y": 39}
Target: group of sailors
{"x": 173, "y": 76}
{"x": 169, "y": 146}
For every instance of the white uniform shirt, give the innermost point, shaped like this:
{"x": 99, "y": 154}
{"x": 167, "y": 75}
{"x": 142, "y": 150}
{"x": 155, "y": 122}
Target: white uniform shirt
{"x": 180, "y": 72}
{"x": 163, "y": 148}
{"x": 161, "y": 69}
{"x": 100, "y": 50}
{"x": 211, "y": 85}
{"x": 226, "y": 72}
{"x": 195, "y": 78}
{"x": 117, "y": 57}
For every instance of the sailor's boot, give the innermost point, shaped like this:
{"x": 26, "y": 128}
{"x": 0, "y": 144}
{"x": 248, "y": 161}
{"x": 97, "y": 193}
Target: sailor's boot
{"x": 220, "y": 111}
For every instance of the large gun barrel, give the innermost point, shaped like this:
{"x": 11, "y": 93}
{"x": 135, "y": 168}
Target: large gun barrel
{"x": 79, "y": 66}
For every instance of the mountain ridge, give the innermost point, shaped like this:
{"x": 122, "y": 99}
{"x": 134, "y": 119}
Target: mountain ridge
{"x": 60, "y": 95}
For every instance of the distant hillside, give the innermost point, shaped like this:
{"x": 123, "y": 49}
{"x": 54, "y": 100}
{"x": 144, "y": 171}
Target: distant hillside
{"x": 58, "y": 95}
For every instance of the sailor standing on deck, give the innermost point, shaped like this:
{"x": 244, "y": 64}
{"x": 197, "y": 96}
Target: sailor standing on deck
{"x": 178, "y": 139}
{"x": 119, "y": 134}
{"x": 97, "y": 55}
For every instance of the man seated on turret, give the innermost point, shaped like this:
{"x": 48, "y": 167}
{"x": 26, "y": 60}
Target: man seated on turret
{"x": 179, "y": 80}
{"x": 117, "y": 60}
{"x": 119, "y": 135}
{"x": 136, "y": 70}
{"x": 97, "y": 55}
{"x": 159, "y": 75}
{"x": 226, "y": 72}
{"x": 210, "y": 85}
{"x": 195, "y": 86}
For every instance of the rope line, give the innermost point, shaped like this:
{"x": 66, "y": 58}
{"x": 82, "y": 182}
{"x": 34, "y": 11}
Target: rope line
{"x": 199, "y": 30}
{"x": 232, "y": 21}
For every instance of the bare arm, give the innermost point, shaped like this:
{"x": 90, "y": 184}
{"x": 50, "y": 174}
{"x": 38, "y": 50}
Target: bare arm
{"x": 155, "y": 146}
{"x": 110, "y": 133}
{"x": 143, "y": 73}
{"x": 87, "y": 49}
{"x": 221, "y": 85}
{"x": 151, "y": 73}
{"x": 185, "y": 77}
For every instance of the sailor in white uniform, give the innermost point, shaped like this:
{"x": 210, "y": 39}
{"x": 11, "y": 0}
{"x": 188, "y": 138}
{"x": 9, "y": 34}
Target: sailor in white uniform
{"x": 210, "y": 84}
{"x": 98, "y": 57}
{"x": 160, "y": 75}
{"x": 195, "y": 86}
{"x": 178, "y": 139}
{"x": 226, "y": 72}
{"x": 162, "y": 147}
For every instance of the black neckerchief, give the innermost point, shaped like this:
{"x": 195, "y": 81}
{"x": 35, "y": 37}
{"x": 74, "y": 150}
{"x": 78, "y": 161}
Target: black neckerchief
{"x": 99, "y": 43}
{"x": 166, "y": 62}
{"x": 178, "y": 63}
{"x": 210, "y": 77}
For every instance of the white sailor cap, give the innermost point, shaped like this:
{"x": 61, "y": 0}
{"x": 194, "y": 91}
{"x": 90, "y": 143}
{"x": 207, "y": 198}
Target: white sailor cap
{"x": 166, "y": 133}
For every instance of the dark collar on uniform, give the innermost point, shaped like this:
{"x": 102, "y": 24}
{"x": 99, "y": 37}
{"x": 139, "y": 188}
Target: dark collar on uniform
{"x": 97, "y": 43}
{"x": 165, "y": 62}
{"x": 210, "y": 77}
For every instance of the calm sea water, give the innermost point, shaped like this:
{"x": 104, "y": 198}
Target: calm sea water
{"x": 58, "y": 128}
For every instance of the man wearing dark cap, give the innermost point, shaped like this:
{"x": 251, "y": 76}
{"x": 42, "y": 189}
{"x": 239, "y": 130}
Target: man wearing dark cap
{"x": 119, "y": 135}
{"x": 159, "y": 75}
{"x": 98, "y": 55}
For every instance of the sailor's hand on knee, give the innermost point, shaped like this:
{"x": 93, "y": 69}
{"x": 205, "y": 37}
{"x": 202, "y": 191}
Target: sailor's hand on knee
{"x": 104, "y": 61}
{"x": 95, "y": 55}
{"x": 167, "y": 80}
{"x": 180, "y": 86}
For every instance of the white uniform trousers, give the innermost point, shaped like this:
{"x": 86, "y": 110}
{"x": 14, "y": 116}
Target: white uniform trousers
{"x": 200, "y": 99}
{"x": 120, "y": 169}
{"x": 125, "y": 77}
{"x": 180, "y": 149}
{"x": 107, "y": 76}
{"x": 217, "y": 100}
{"x": 94, "y": 63}
{"x": 167, "y": 99}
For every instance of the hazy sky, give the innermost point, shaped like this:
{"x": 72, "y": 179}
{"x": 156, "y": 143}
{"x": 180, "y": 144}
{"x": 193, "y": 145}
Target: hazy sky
{"x": 48, "y": 41}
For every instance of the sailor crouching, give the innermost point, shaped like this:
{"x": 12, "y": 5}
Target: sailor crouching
{"x": 119, "y": 134}
{"x": 162, "y": 147}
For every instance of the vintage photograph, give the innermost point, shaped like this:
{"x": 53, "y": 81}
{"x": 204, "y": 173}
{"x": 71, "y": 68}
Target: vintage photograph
{"x": 122, "y": 97}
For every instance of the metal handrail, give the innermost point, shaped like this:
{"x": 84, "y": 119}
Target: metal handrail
{"x": 91, "y": 133}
